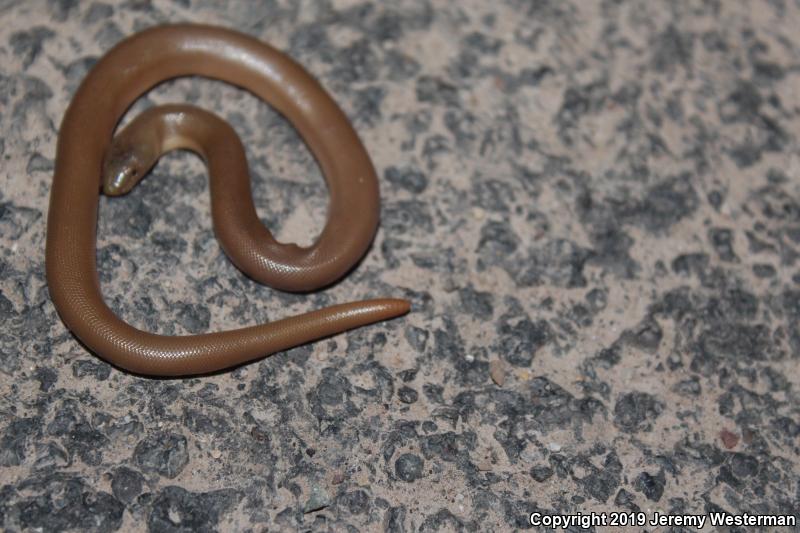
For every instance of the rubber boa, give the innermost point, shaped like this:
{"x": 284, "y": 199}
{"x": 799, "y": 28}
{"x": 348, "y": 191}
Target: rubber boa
{"x": 89, "y": 159}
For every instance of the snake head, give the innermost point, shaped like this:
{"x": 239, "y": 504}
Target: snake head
{"x": 123, "y": 167}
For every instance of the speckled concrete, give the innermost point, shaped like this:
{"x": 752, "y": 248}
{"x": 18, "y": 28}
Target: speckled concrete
{"x": 594, "y": 207}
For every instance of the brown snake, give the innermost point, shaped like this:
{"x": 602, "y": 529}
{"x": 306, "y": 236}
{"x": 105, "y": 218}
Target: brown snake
{"x": 88, "y": 159}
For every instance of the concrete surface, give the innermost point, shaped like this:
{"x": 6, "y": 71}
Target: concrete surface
{"x": 594, "y": 207}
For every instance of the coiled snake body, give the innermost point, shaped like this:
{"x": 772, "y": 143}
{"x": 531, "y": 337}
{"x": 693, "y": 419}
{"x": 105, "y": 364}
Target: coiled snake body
{"x": 87, "y": 159}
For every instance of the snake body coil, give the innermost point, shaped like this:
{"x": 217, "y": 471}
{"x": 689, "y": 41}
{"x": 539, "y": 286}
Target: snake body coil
{"x": 87, "y": 159}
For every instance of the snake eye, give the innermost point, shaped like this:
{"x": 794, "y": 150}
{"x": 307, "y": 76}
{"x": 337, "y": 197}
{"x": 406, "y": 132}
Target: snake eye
{"x": 130, "y": 173}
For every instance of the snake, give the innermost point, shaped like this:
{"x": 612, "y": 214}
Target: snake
{"x": 92, "y": 157}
